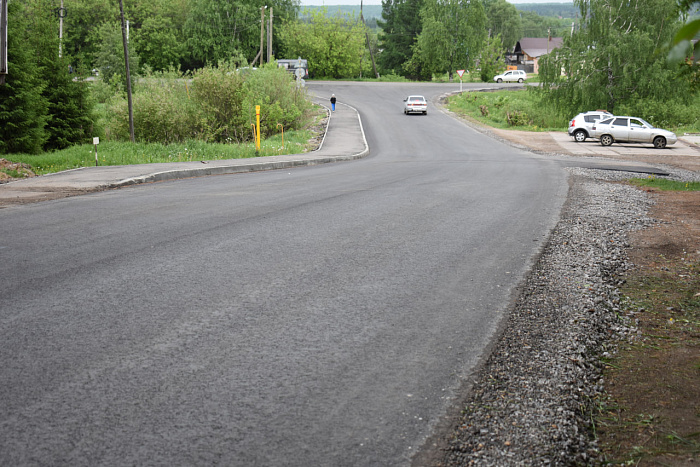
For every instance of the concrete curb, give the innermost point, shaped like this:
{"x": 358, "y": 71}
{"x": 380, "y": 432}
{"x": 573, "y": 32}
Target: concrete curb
{"x": 244, "y": 166}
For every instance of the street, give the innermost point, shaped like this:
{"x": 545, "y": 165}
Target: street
{"x": 321, "y": 315}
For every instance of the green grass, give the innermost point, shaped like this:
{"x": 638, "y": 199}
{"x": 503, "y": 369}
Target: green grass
{"x": 666, "y": 185}
{"x": 121, "y": 153}
{"x": 526, "y": 113}
{"x": 516, "y": 109}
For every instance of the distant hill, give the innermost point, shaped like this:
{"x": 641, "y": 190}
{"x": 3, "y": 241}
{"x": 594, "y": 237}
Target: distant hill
{"x": 368, "y": 11}
{"x": 563, "y": 10}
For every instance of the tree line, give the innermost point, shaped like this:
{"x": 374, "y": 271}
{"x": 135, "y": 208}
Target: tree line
{"x": 615, "y": 54}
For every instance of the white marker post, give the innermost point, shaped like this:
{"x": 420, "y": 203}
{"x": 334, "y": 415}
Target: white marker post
{"x": 460, "y": 73}
{"x": 96, "y": 141}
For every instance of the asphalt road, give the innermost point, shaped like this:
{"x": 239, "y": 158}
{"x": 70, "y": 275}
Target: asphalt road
{"x": 314, "y": 316}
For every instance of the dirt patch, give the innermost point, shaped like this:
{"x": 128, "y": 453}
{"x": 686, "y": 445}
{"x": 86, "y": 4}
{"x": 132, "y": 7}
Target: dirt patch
{"x": 652, "y": 414}
{"x": 14, "y": 170}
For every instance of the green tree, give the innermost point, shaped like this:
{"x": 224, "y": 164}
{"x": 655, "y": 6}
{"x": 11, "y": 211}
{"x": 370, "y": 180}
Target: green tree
{"x": 334, "y": 46}
{"x": 504, "y": 20}
{"x": 220, "y": 29}
{"x": 492, "y": 60}
{"x": 157, "y": 44}
{"x": 452, "y": 36}
{"x": 23, "y": 108}
{"x": 69, "y": 112}
{"x": 682, "y": 42}
{"x": 110, "y": 58}
{"x": 81, "y": 29}
{"x": 612, "y": 61}
{"x": 157, "y": 36}
{"x": 70, "y": 115}
{"x": 400, "y": 26}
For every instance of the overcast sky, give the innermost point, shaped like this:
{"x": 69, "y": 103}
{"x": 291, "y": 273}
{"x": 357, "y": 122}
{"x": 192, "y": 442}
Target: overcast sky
{"x": 379, "y": 2}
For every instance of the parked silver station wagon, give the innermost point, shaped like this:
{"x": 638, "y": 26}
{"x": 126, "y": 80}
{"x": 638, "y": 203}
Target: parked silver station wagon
{"x": 631, "y": 130}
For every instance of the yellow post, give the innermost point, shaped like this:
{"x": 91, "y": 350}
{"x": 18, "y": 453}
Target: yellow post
{"x": 257, "y": 126}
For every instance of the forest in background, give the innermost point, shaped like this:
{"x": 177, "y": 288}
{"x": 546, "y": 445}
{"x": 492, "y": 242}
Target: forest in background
{"x": 58, "y": 95}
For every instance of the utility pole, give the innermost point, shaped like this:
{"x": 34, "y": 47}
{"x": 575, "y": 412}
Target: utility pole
{"x": 262, "y": 33}
{"x": 269, "y": 38}
{"x": 128, "y": 74}
{"x": 61, "y": 15}
{"x": 3, "y": 41}
{"x": 369, "y": 46}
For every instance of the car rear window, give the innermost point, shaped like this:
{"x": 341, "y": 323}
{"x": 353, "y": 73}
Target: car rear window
{"x": 607, "y": 121}
{"x": 620, "y": 121}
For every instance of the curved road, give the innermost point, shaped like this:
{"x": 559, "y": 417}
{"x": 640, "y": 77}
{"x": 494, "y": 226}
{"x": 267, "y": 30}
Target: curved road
{"x": 314, "y": 316}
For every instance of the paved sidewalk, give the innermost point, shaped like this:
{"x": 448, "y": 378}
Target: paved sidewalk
{"x": 344, "y": 140}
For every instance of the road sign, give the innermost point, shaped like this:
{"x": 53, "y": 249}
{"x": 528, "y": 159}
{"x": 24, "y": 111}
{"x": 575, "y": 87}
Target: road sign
{"x": 460, "y": 73}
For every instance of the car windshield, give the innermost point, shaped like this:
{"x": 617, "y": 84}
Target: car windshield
{"x": 646, "y": 123}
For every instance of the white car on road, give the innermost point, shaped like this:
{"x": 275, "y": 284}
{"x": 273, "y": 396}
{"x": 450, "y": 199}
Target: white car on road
{"x": 415, "y": 105}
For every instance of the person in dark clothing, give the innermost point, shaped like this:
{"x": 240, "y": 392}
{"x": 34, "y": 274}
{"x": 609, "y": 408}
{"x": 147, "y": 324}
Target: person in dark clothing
{"x": 333, "y": 102}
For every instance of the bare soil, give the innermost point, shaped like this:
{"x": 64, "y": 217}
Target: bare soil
{"x": 652, "y": 415}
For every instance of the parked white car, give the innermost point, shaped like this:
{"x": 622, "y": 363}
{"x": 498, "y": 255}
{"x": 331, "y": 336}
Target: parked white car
{"x": 511, "y": 75}
{"x": 631, "y": 130}
{"x": 580, "y": 126}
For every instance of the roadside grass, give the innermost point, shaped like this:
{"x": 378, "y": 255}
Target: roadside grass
{"x": 522, "y": 109}
{"x": 126, "y": 153}
{"x": 507, "y": 109}
{"x": 665, "y": 185}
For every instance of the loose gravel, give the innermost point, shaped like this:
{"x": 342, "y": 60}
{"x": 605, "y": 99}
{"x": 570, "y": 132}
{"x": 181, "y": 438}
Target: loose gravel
{"x": 530, "y": 403}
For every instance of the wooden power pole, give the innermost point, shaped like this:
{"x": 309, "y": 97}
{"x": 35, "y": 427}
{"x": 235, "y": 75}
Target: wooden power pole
{"x": 262, "y": 34}
{"x": 3, "y": 41}
{"x": 128, "y": 74}
{"x": 269, "y": 37}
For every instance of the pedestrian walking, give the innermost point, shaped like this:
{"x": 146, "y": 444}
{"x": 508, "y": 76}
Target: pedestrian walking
{"x": 333, "y": 102}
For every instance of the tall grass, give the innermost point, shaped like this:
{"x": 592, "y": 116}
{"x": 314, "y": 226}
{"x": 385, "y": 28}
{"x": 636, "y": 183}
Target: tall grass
{"x": 507, "y": 109}
{"x": 126, "y": 153}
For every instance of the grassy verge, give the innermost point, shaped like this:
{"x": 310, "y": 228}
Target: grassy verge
{"x": 121, "y": 153}
{"x": 517, "y": 109}
{"x": 521, "y": 110}
{"x": 665, "y": 185}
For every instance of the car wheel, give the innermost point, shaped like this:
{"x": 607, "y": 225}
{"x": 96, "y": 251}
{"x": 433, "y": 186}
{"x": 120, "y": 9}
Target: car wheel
{"x": 520, "y": 80}
{"x": 425, "y": 113}
{"x": 659, "y": 142}
{"x": 606, "y": 140}
{"x": 499, "y": 80}
{"x": 580, "y": 136}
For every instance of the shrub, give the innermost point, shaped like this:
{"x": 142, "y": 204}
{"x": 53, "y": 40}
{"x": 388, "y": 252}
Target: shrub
{"x": 162, "y": 113}
{"x": 218, "y": 106}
